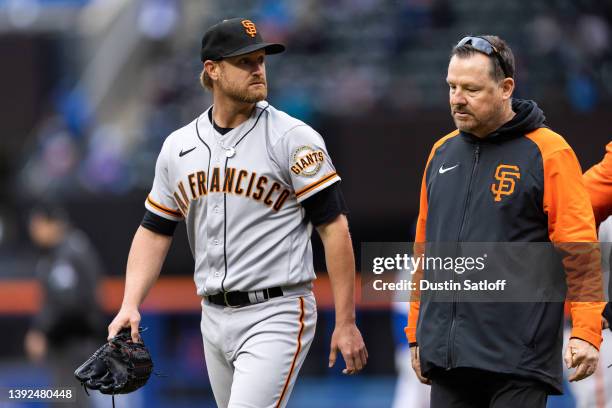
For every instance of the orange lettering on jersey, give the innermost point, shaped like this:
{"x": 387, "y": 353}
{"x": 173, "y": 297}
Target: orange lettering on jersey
{"x": 214, "y": 181}
{"x": 183, "y": 206}
{"x": 249, "y": 28}
{"x": 183, "y": 192}
{"x": 280, "y": 200}
{"x": 192, "y": 185}
{"x": 267, "y": 200}
{"x": 229, "y": 180}
{"x": 201, "y": 183}
{"x": 261, "y": 186}
{"x": 506, "y": 175}
{"x": 241, "y": 174}
{"x": 248, "y": 192}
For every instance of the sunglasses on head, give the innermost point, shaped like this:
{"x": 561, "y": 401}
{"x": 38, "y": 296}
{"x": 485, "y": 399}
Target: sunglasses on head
{"x": 484, "y": 46}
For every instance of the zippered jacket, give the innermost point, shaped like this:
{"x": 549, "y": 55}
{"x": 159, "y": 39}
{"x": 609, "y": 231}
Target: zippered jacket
{"x": 521, "y": 183}
{"x": 598, "y": 181}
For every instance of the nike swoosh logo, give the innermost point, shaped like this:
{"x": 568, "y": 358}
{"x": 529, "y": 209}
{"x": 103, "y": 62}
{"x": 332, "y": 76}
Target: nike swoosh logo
{"x": 182, "y": 153}
{"x": 444, "y": 170}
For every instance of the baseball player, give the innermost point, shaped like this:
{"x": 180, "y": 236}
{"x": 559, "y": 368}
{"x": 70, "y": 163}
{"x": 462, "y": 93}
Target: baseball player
{"x": 249, "y": 181}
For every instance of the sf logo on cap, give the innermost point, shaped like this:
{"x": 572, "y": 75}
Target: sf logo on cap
{"x": 506, "y": 175}
{"x": 249, "y": 27}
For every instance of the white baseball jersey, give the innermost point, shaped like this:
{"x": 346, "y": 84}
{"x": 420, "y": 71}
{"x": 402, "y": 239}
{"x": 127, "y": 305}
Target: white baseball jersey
{"x": 240, "y": 196}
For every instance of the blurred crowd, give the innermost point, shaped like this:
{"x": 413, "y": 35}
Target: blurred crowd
{"x": 346, "y": 58}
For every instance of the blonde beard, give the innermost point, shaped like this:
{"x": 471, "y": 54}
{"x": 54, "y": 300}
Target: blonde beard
{"x": 234, "y": 92}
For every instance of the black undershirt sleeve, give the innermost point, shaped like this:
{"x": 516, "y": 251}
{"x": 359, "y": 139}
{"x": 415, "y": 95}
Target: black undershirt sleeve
{"x": 160, "y": 225}
{"x": 325, "y": 205}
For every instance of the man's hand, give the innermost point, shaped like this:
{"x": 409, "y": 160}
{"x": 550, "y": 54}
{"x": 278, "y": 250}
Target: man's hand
{"x": 416, "y": 365}
{"x": 604, "y": 323}
{"x": 127, "y": 317}
{"x": 145, "y": 260}
{"x": 583, "y": 356}
{"x": 340, "y": 263}
{"x": 36, "y": 345}
{"x": 348, "y": 340}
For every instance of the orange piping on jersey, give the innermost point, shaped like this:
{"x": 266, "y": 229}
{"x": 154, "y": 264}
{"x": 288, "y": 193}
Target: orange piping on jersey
{"x": 314, "y": 185}
{"x": 297, "y": 352}
{"x": 164, "y": 209}
{"x": 413, "y": 315}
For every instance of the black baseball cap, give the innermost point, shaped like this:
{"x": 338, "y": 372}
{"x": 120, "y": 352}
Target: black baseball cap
{"x": 233, "y": 37}
{"x": 51, "y": 209}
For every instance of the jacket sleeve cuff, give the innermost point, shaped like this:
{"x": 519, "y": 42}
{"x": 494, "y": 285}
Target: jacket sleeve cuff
{"x": 410, "y": 334}
{"x": 594, "y": 338}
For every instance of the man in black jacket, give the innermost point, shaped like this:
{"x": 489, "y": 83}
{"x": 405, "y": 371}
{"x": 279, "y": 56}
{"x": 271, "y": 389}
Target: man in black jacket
{"x": 70, "y": 323}
{"x": 502, "y": 176}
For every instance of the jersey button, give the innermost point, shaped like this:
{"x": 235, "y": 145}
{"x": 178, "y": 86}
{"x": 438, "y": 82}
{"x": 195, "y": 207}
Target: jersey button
{"x": 216, "y": 242}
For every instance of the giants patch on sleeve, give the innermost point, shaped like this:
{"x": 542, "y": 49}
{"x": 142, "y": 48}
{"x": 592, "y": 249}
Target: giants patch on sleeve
{"x": 306, "y": 161}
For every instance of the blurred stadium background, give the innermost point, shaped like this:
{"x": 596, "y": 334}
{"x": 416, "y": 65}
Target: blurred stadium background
{"x": 90, "y": 89}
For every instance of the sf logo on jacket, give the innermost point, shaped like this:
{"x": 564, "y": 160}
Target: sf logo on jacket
{"x": 505, "y": 174}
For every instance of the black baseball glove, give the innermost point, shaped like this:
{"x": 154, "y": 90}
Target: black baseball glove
{"x": 118, "y": 367}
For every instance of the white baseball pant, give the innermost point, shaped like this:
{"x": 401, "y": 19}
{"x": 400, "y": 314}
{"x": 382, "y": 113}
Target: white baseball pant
{"x": 254, "y": 353}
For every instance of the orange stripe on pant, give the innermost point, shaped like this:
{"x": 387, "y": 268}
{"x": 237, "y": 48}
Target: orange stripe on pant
{"x": 600, "y": 393}
{"x": 297, "y": 352}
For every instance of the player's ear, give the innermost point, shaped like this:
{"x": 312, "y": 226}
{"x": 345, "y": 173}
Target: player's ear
{"x": 212, "y": 69}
